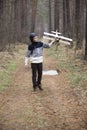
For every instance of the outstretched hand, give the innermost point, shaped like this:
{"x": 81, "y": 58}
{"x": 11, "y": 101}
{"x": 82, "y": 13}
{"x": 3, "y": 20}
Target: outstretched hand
{"x": 56, "y": 40}
{"x": 51, "y": 42}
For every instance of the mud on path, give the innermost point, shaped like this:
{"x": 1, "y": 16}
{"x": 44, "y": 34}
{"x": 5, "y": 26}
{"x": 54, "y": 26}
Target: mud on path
{"x": 55, "y": 108}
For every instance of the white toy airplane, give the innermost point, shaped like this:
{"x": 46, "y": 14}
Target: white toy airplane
{"x": 58, "y": 36}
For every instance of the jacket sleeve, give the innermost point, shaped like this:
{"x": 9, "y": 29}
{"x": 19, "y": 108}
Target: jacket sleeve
{"x": 45, "y": 45}
{"x": 27, "y": 57}
{"x": 28, "y": 53}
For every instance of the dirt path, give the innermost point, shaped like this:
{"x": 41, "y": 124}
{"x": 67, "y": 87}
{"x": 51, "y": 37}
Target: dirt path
{"x": 56, "y": 108}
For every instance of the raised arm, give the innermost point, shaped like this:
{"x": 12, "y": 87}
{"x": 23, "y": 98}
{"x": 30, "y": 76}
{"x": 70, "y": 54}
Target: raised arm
{"x": 48, "y": 45}
{"x": 51, "y": 42}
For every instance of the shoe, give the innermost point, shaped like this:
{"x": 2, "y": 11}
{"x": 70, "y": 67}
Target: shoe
{"x": 35, "y": 88}
{"x": 40, "y": 88}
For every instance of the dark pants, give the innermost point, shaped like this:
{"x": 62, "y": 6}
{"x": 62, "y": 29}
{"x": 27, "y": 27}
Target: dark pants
{"x": 36, "y": 73}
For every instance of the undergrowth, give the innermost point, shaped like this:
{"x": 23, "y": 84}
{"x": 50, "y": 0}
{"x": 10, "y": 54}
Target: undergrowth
{"x": 76, "y": 70}
{"x": 8, "y": 63}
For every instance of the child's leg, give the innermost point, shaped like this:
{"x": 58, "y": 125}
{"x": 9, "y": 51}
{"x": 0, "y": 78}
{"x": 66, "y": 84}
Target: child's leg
{"x": 39, "y": 68}
{"x": 34, "y": 71}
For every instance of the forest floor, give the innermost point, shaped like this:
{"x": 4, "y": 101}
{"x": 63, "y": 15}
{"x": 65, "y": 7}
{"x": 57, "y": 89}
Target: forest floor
{"x": 56, "y": 108}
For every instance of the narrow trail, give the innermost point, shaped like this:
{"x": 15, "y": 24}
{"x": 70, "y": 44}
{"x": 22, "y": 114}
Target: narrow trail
{"x": 55, "y": 108}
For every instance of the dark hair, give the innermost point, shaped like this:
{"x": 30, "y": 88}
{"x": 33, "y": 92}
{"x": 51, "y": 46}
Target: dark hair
{"x": 32, "y": 35}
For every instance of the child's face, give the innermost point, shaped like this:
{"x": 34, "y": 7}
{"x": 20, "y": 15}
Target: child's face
{"x": 36, "y": 39}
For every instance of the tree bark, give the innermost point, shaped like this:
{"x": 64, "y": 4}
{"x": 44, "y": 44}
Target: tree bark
{"x": 86, "y": 34}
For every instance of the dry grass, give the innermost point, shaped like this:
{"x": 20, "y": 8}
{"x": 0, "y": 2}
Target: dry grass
{"x": 56, "y": 108}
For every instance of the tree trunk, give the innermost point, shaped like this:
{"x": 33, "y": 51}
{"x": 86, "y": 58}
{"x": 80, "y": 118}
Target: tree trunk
{"x": 34, "y": 11}
{"x": 86, "y": 34}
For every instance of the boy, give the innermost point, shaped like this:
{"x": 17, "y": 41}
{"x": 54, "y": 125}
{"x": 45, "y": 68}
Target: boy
{"x": 35, "y": 53}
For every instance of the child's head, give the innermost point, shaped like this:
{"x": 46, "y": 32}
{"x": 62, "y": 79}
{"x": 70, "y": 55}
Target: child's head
{"x": 33, "y": 37}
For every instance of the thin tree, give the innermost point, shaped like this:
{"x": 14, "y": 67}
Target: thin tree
{"x": 86, "y": 33}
